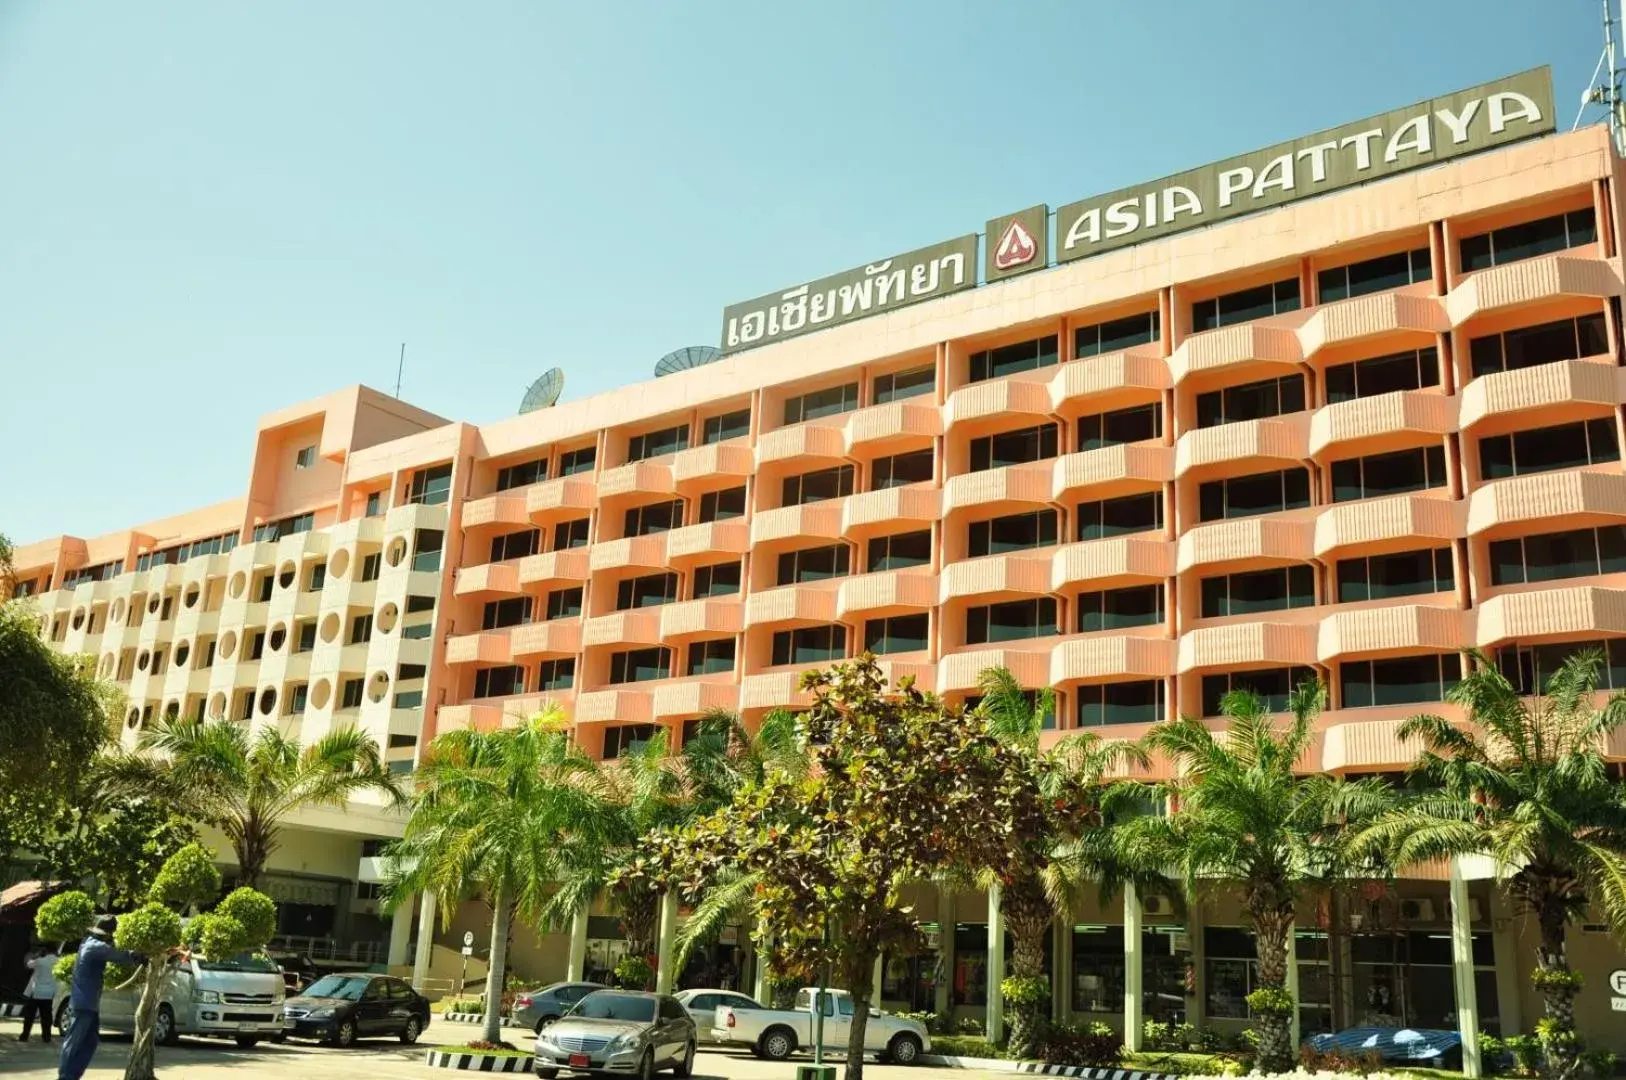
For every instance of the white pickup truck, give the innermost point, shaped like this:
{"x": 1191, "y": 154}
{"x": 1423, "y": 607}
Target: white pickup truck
{"x": 776, "y": 1034}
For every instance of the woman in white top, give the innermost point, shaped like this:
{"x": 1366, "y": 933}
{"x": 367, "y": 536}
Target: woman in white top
{"x": 39, "y": 993}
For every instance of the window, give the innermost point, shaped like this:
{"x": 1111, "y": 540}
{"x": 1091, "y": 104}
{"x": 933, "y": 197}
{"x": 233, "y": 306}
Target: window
{"x": 1529, "y": 667}
{"x": 711, "y": 657}
{"x": 1120, "y": 516}
{"x": 1009, "y": 359}
{"x": 897, "y": 634}
{"x": 306, "y": 640}
{"x": 1383, "y": 375}
{"x": 1246, "y": 305}
{"x": 256, "y": 648}
{"x": 625, "y": 739}
{"x": 652, "y": 590}
{"x": 829, "y": 402}
{"x": 298, "y": 695}
{"x": 318, "y": 578}
{"x": 1047, "y": 721}
{"x": 288, "y": 526}
{"x": 720, "y": 579}
{"x": 655, "y": 443}
{"x": 431, "y": 487}
{"x": 1013, "y": 447}
{"x": 1374, "y": 275}
{"x": 570, "y": 534}
{"x": 1536, "y": 450}
{"x": 305, "y": 457}
{"x": 1018, "y": 532}
{"x": 900, "y": 550}
{"x": 1528, "y": 239}
{"x": 514, "y": 611}
{"x": 1388, "y": 474}
{"x": 206, "y": 657}
{"x": 1118, "y": 609}
{"x": 370, "y": 566}
{"x": 1259, "y": 493}
{"x": 1544, "y": 343}
{"x": 640, "y": 665}
{"x": 1558, "y": 555}
{"x": 810, "y": 645}
{"x": 1401, "y": 680}
{"x": 1120, "y": 426}
{"x": 1251, "y": 401}
{"x": 1276, "y": 589}
{"x": 426, "y": 549}
{"x": 655, "y": 518}
{"x": 350, "y": 696}
{"x": 815, "y": 564}
{"x": 1405, "y": 573}
{"x": 897, "y": 385}
{"x": 416, "y": 604}
{"x": 731, "y": 425}
{"x": 1116, "y": 335}
{"x": 410, "y": 672}
{"x": 579, "y": 460}
{"x": 914, "y": 467}
{"x": 515, "y": 545}
{"x": 1140, "y": 702}
{"x": 1015, "y": 620}
{"x": 267, "y": 583}
{"x": 556, "y": 674}
{"x": 375, "y": 503}
{"x": 522, "y": 475}
{"x": 499, "y": 681}
{"x": 1272, "y": 684}
{"x": 722, "y": 505}
{"x": 564, "y": 604}
{"x": 817, "y": 486}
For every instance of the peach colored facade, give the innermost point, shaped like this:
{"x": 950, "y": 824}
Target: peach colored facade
{"x": 705, "y": 565}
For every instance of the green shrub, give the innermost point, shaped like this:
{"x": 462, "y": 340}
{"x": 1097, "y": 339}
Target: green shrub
{"x": 65, "y": 918}
{"x": 634, "y": 973}
{"x": 1544, "y": 979}
{"x": 965, "y": 1046}
{"x": 149, "y": 929}
{"x": 188, "y": 877}
{"x": 1600, "y": 1062}
{"x": 1271, "y": 1001}
{"x": 215, "y": 936}
{"x": 1091, "y": 1046}
{"x": 968, "y": 1025}
{"x": 1029, "y": 991}
{"x": 255, "y": 912}
{"x": 63, "y": 969}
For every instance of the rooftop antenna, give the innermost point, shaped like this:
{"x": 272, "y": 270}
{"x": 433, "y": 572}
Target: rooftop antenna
{"x": 399, "y": 365}
{"x": 1607, "y": 92}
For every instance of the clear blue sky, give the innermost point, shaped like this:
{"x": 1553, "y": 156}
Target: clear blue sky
{"x": 208, "y": 211}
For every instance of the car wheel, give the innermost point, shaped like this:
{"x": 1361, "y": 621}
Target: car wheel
{"x": 777, "y": 1044}
{"x": 646, "y": 1066}
{"x": 279, "y": 1038}
{"x": 344, "y": 1035}
{"x": 543, "y": 1022}
{"x": 547, "y": 1074}
{"x": 684, "y": 1067}
{"x": 64, "y": 1017}
{"x": 248, "y": 1042}
{"x": 410, "y": 1033}
{"x": 163, "y": 1029}
{"x": 904, "y": 1049}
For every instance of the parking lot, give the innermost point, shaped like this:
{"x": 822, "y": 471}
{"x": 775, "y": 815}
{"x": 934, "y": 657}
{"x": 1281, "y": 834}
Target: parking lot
{"x": 211, "y": 1059}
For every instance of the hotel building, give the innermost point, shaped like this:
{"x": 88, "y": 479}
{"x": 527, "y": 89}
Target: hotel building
{"x": 1343, "y": 436}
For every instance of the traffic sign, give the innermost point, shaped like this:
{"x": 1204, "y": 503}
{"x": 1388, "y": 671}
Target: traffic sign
{"x": 1617, "y": 981}
{"x": 468, "y": 938}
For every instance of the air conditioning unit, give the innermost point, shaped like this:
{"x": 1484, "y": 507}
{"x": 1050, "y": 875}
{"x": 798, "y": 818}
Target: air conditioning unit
{"x": 1157, "y": 905}
{"x": 1417, "y": 910}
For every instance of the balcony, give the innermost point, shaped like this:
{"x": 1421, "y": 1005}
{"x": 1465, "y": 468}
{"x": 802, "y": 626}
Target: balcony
{"x": 486, "y": 647}
{"x": 500, "y": 578}
{"x": 553, "y": 567}
{"x": 615, "y": 706}
{"x": 962, "y": 670}
{"x": 1257, "y": 539}
{"x": 1546, "y": 394}
{"x": 1248, "y": 445}
{"x": 682, "y": 699}
{"x": 1111, "y": 381}
{"x": 1368, "y": 317}
{"x": 556, "y": 637}
{"x": 1395, "y": 629}
{"x": 775, "y": 690}
{"x": 792, "y": 604}
{"x": 641, "y": 627}
{"x": 811, "y": 521}
{"x": 1003, "y": 399}
{"x": 1113, "y": 655}
{"x": 1247, "y": 645}
{"x": 731, "y": 460}
{"x": 1112, "y": 562}
{"x": 994, "y": 576}
{"x": 1530, "y": 281}
{"x": 1574, "y": 610}
{"x": 707, "y": 542}
{"x": 1570, "y": 498}
{"x": 632, "y": 552}
{"x": 1367, "y": 745}
{"x": 1386, "y": 422}
{"x": 568, "y": 496}
{"x": 925, "y": 675}
{"x": 880, "y": 426}
{"x": 1233, "y": 347}
{"x": 1110, "y": 471}
{"x": 709, "y": 617}
{"x": 891, "y": 510}
{"x": 1395, "y": 523}
{"x": 1026, "y": 485}
{"x": 888, "y": 592}
{"x": 810, "y": 444}
{"x": 636, "y": 478}
{"x": 506, "y": 508}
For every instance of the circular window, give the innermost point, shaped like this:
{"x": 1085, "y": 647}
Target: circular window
{"x": 191, "y": 598}
{"x": 330, "y": 626}
{"x": 117, "y": 614}
{"x": 321, "y": 692}
{"x": 228, "y": 644}
{"x": 182, "y": 651}
{"x": 78, "y": 618}
{"x": 396, "y": 551}
{"x": 286, "y": 575}
{"x": 217, "y": 706}
{"x": 387, "y": 615}
{"x": 133, "y": 719}
{"x": 378, "y": 686}
{"x": 152, "y": 604}
{"x": 268, "y": 700}
{"x": 279, "y": 636}
{"x": 239, "y": 582}
{"x": 141, "y": 661}
{"x": 339, "y": 565}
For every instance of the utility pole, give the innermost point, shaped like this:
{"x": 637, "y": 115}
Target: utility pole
{"x": 1607, "y": 91}
{"x": 401, "y": 363}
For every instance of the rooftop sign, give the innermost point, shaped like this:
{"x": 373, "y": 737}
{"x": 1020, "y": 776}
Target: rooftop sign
{"x": 1480, "y": 118}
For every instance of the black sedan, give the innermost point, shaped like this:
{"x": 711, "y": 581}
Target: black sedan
{"x": 340, "y": 1009}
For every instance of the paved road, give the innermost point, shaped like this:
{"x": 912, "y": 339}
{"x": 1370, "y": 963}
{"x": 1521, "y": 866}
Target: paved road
{"x": 384, "y": 1059}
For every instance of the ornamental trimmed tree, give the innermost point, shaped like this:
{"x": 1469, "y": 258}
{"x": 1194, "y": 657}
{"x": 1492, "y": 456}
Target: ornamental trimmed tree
{"x": 187, "y": 880}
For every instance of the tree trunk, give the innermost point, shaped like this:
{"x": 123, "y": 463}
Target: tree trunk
{"x": 640, "y": 911}
{"x": 1271, "y": 927}
{"x": 1028, "y": 917}
{"x": 859, "y": 977}
{"x": 141, "y": 1062}
{"x": 252, "y": 853}
{"x": 499, "y": 957}
{"x": 1561, "y": 1050}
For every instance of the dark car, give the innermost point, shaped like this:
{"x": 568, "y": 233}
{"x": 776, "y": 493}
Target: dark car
{"x": 340, "y": 1009}
{"x": 536, "y": 1009}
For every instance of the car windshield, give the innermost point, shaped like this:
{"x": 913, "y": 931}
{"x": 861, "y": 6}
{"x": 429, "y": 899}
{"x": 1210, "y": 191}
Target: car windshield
{"x": 608, "y": 1005}
{"x": 257, "y": 963}
{"x": 347, "y": 987}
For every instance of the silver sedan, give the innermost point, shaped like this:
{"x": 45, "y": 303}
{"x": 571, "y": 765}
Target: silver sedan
{"x": 621, "y": 1032}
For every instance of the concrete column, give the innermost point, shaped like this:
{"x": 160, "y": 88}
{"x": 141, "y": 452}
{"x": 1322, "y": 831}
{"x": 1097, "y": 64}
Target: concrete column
{"x": 1134, "y": 1020}
{"x": 1293, "y": 985}
{"x": 995, "y": 1020}
{"x": 1505, "y": 942}
{"x": 759, "y": 980}
{"x": 1462, "y": 974}
{"x": 400, "y": 935}
{"x": 664, "y": 975}
{"x": 943, "y": 992}
{"x": 577, "y": 957}
{"x": 426, "y": 939}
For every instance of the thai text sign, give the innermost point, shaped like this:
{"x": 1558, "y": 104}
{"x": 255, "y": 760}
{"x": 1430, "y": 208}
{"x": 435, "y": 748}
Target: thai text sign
{"x": 1466, "y": 122}
{"x": 840, "y": 298}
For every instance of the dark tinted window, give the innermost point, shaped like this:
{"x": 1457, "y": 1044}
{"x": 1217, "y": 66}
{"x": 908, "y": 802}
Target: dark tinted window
{"x": 1116, "y": 609}
{"x": 1019, "y": 532}
{"x": 515, "y": 545}
{"x": 1009, "y": 359}
{"x": 655, "y": 443}
{"x": 1116, "y": 335}
{"x": 1139, "y": 702}
{"x": 828, "y": 402}
{"x": 732, "y": 425}
{"x": 1275, "y": 589}
{"x": 1259, "y": 493}
{"x": 914, "y": 467}
{"x": 818, "y": 486}
{"x": 1537, "y": 450}
{"x": 899, "y": 551}
{"x": 1558, "y": 555}
{"x": 1016, "y": 620}
{"x": 722, "y": 505}
{"x": 809, "y": 645}
{"x": 564, "y": 603}
{"x": 1528, "y": 239}
{"x": 1403, "y": 573}
{"x": 652, "y": 590}
{"x": 1545, "y": 343}
{"x": 1117, "y": 517}
{"x": 527, "y": 472}
{"x": 1383, "y": 375}
{"x": 1246, "y": 305}
{"x": 655, "y": 518}
{"x": 897, "y": 385}
{"x": 1388, "y": 474}
{"x": 1137, "y": 424}
{"x": 1399, "y": 680}
{"x": 815, "y": 564}
{"x": 640, "y": 665}
{"x": 1013, "y": 447}
{"x": 1251, "y": 401}
{"x": 900, "y": 633}
{"x": 720, "y": 579}
{"x": 514, "y": 611}
{"x": 711, "y": 657}
{"x": 1272, "y": 684}
{"x": 1374, "y": 275}
{"x": 576, "y": 461}
{"x": 570, "y": 534}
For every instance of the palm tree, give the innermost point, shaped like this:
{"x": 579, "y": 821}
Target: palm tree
{"x": 492, "y": 811}
{"x": 1242, "y": 816}
{"x": 246, "y": 785}
{"x": 1525, "y": 783}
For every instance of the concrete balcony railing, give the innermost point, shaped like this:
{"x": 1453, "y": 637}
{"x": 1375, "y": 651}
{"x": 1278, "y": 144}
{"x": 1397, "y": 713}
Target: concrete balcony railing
{"x": 885, "y": 593}
{"x": 1255, "y": 539}
{"x": 1395, "y": 523}
{"x": 878, "y": 426}
{"x": 1389, "y": 421}
{"x": 572, "y": 566}
{"x": 811, "y": 521}
{"x": 1272, "y": 443}
{"x": 1010, "y": 399}
{"x": 1365, "y": 746}
{"x": 775, "y": 690}
{"x": 962, "y": 670}
{"x": 1028, "y": 484}
{"x": 712, "y": 616}
{"x": 1016, "y": 574}
{"x": 506, "y": 508}
{"x": 567, "y": 496}
{"x": 556, "y": 637}
{"x": 1556, "y": 389}
{"x": 486, "y": 647}
{"x": 632, "y": 552}
{"x": 637, "y": 478}
{"x": 1571, "y": 610}
{"x": 805, "y": 443}
{"x": 1109, "y": 471}
{"x": 1112, "y": 655}
{"x": 925, "y": 675}
{"x": 621, "y": 706}
{"x": 708, "y": 541}
{"x": 1100, "y": 380}
{"x": 1581, "y": 497}
{"x": 1531, "y": 281}
{"x": 1396, "y": 629}
{"x": 1234, "y": 346}
{"x": 686, "y": 698}
{"x": 699, "y": 464}
{"x": 1247, "y": 645}
{"x": 499, "y": 578}
{"x": 792, "y": 604}
{"x": 641, "y": 627}
{"x": 891, "y": 510}
{"x": 1372, "y": 317}
{"x": 1112, "y": 562}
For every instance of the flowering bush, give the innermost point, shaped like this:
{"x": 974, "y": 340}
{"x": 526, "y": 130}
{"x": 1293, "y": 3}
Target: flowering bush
{"x": 1090, "y": 1045}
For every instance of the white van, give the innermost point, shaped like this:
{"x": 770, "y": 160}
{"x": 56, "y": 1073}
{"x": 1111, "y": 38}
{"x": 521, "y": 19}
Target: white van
{"x": 238, "y": 998}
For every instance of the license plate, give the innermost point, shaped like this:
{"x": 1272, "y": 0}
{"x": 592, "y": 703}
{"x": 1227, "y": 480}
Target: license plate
{"x": 578, "y": 1061}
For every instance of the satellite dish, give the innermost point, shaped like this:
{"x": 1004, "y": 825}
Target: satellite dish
{"x": 544, "y": 391}
{"x": 690, "y": 356}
